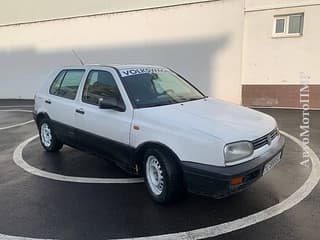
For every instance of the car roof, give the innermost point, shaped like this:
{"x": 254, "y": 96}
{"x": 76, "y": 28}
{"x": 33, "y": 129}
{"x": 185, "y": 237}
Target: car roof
{"x": 117, "y": 66}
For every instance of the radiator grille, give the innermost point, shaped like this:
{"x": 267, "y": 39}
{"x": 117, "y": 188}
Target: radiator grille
{"x": 266, "y": 139}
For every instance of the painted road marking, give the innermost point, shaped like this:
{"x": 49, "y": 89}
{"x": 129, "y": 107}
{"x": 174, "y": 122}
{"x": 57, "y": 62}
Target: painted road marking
{"x": 16, "y": 125}
{"x": 18, "y": 159}
{"x": 260, "y": 216}
{"x": 19, "y": 124}
{"x": 244, "y": 222}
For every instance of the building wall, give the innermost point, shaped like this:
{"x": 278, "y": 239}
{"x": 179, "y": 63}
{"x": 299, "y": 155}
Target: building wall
{"x": 223, "y": 46}
{"x": 274, "y": 68}
{"x": 201, "y": 41}
{"x": 253, "y": 5}
{"x": 17, "y": 11}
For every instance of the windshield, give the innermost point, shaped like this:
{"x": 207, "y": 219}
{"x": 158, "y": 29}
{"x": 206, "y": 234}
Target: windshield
{"x": 157, "y": 88}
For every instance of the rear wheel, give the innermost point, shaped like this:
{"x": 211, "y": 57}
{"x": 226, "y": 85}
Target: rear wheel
{"x": 163, "y": 176}
{"x": 48, "y": 138}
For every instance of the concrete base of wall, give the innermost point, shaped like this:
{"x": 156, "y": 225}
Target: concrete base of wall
{"x": 286, "y": 96}
{"x": 16, "y": 102}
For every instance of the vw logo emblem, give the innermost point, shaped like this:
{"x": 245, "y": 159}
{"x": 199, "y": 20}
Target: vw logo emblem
{"x": 269, "y": 139}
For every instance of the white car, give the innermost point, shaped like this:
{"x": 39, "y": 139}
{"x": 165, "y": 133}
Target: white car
{"x": 152, "y": 122}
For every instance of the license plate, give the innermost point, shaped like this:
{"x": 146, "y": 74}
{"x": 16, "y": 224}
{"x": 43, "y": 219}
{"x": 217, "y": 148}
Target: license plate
{"x": 272, "y": 163}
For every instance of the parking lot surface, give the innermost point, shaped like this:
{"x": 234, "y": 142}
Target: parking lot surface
{"x": 75, "y": 195}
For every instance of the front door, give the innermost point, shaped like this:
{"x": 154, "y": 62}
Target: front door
{"x": 106, "y": 131}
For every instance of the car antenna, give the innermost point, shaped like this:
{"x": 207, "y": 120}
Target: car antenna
{"x": 77, "y": 56}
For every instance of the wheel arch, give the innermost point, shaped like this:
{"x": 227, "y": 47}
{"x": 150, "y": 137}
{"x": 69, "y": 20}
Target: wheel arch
{"x": 40, "y": 116}
{"x": 141, "y": 149}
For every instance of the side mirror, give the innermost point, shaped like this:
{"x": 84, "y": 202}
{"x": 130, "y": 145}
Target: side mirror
{"x": 111, "y": 103}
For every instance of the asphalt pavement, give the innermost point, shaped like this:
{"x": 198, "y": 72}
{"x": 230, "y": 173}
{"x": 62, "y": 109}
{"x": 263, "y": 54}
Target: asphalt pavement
{"x": 39, "y": 207}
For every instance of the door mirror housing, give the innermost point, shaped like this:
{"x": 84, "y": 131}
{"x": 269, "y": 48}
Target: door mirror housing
{"x": 111, "y": 103}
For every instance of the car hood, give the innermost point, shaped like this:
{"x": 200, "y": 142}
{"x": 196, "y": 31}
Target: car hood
{"x": 226, "y": 121}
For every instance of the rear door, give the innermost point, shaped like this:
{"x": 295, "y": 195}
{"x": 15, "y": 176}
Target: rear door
{"x": 61, "y": 103}
{"x": 106, "y": 131}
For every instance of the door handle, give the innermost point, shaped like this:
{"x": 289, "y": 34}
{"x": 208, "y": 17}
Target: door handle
{"x": 48, "y": 101}
{"x": 80, "y": 111}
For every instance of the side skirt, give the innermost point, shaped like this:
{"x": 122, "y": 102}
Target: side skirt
{"x": 119, "y": 153}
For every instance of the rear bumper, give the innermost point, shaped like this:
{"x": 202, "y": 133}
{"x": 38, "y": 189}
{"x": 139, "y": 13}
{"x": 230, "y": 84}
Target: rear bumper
{"x": 215, "y": 181}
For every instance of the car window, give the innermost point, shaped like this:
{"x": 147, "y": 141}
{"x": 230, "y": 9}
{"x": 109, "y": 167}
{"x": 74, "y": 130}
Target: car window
{"x": 166, "y": 83}
{"x": 54, "y": 89}
{"x": 67, "y": 83}
{"x": 99, "y": 84}
{"x": 159, "y": 87}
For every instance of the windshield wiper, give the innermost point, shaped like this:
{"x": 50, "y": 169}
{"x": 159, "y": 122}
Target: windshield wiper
{"x": 186, "y": 99}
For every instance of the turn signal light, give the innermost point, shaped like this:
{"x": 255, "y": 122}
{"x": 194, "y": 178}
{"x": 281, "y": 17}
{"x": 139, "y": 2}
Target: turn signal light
{"x": 236, "y": 181}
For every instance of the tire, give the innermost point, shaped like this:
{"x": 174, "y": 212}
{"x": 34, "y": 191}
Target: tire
{"x": 48, "y": 139}
{"x": 163, "y": 176}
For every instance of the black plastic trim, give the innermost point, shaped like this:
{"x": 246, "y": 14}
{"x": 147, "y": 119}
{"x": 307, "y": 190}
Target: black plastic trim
{"x": 214, "y": 181}
{"x": 119, "y": 153}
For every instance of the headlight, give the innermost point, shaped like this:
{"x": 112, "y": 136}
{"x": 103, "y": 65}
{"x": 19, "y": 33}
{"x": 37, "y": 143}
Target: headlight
{"x": 236, "y": 151}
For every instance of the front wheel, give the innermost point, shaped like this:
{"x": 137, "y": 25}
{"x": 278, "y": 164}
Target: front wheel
{"x": 48, "y": 138}
{"x": 163, "y": 176}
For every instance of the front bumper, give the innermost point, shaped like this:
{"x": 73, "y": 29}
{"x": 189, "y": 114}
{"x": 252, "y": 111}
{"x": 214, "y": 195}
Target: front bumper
{"x": 215, "y": 181}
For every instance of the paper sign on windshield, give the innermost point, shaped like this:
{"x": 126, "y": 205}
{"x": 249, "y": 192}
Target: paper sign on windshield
{"x": 136, "y": 71}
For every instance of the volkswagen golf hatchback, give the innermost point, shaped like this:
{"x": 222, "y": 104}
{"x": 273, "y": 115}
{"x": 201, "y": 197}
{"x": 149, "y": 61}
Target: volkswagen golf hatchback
{"x": 152, "y": 122}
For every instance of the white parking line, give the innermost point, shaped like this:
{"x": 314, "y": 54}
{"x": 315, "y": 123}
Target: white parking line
{"x": 18, "y": 124}
{"x": 8, "y": 237}
{"x": 260, "y": 216}
{"x": 18, "y": 159}
{"x": 240, "y": 223}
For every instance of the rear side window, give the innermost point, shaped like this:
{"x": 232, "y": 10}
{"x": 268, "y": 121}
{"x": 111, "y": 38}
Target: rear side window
{"x": 100, "y": 84}
{"x": 67, "y": 83}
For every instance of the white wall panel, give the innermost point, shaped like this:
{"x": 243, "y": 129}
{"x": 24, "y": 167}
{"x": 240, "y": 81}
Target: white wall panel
{"x": 268, "y": 60}
{"x": 17, "y": 11}
{"x": 201, "y": 41}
